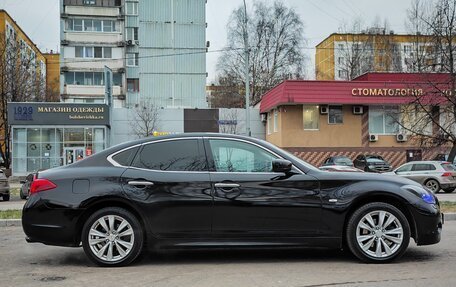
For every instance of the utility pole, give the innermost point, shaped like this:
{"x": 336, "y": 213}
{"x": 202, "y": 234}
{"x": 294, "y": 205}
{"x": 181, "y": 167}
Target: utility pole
{"x": 247, "y": 75}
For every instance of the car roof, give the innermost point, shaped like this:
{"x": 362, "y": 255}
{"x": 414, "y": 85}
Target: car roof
{"x": 427, "y": 162}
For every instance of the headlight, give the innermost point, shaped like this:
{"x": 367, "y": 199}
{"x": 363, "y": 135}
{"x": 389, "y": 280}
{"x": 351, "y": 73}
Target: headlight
{"x": 422, "y": 192}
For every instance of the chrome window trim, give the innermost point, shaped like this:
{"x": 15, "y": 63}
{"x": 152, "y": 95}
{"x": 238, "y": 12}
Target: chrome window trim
{"x": 116, "y": 164}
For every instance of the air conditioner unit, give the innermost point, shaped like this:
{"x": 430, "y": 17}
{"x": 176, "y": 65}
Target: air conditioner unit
{"x": 401, "y": 137}
{"x": 373, "y": 138}
{"x": 324, "y": 110}
{"x": 358, "y": 110}
{"x": 64, "y": 42}
{"x": 264, "y": 118}
{"x": 129, "y": 43}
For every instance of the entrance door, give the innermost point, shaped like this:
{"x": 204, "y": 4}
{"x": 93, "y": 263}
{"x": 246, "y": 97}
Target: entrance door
{"x": 74, "y": 154}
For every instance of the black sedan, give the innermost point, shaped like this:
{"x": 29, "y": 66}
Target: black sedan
{"x": 372, "y": 163}
{"x": 212, "y": 190}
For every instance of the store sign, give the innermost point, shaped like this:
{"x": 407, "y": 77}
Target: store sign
{"x": 369, "y": 92}
{"x": 57, "y": 114}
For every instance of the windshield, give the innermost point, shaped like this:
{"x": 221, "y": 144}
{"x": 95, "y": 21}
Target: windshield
{"x": 374, "y": 160}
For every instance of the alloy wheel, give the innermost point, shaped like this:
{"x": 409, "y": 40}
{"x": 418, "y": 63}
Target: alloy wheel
{"x": 433, "y": 185}
{"x": 379, "y": 234}
{"x": 111, "y": 238}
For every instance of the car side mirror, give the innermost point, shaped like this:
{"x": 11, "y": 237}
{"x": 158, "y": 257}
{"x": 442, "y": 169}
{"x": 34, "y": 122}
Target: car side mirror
{"x": 281, "y": 165}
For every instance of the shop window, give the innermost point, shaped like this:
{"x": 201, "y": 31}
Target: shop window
{"x": 335, "y": 115}
{"x": 276, "y": 120}
{"x": 383, "y": 120}
{"x": 311, "y": 117}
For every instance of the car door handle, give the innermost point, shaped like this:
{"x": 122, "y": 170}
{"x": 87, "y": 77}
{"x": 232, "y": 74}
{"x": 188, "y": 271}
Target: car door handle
{"x": 140, "y": 183}
{"x": 227, "y": 185}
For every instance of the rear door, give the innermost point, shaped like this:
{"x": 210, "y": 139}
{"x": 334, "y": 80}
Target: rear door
{"x": 250, "y": 200}
{"x": 169, "y": 181}
{"x": 422, "y": 171}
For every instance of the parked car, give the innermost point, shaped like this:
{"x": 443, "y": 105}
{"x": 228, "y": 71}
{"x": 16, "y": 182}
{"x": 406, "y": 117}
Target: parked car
{"x": 4, "y": 187}
{"x": 228, "y": 191}
{"x": 340, "y": 168}
{"x": 25, "y": 188}
{"x": 338, "y": 160}
{"x": 372, "y": 163}
{"x": 435, "y": 175}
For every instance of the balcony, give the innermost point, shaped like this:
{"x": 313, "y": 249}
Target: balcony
{"x": 92, "y": 11}
{"x": 94, "y": 91}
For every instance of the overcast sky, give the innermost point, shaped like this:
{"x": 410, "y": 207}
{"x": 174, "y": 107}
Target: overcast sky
{"x": 40, "y": 20}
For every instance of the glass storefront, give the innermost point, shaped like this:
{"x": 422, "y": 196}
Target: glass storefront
{"x": 38, "y": 147}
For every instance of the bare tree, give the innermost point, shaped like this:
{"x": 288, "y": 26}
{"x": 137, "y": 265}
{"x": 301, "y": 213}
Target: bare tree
{"x": 145, "y": 119}
{"x": 276, "y": 43}
{"x": 430, "y": 117}
{"x": 20, "y": 81}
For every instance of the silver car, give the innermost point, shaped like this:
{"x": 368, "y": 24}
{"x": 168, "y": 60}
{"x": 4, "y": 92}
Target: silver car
{"x": 435, "y": 175}
{"x": 4, "y": 187}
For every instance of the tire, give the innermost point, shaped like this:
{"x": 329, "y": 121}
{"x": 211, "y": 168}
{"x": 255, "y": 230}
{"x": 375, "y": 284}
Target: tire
{"x": 21, "y": 194}
{"x": 124, "y": 249}
{"x": 450, "y": 190}
{"x": 6, "y": 197}
{"x": 433, "y": 185}
{"x": 375, "y": 237}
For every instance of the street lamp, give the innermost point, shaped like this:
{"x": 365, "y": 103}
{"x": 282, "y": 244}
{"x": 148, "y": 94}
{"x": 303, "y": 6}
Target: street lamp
{"x": 247, "y": 75}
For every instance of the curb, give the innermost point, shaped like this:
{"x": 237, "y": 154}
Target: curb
{"x": 10, "y": 222}
{"x": 18, "y": 222}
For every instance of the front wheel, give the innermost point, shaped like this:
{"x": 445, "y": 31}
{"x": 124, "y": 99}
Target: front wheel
{"x": 6, "y": 197}
{"x": 378, "y": 233}
{"x": 112, "y": 237}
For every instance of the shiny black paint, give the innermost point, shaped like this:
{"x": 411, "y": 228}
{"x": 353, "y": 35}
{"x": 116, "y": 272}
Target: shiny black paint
{"x": 304, "y": 207}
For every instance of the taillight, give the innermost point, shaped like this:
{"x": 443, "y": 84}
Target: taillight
{"x": 41, "y": 184}
{"x": 445, "y": 174}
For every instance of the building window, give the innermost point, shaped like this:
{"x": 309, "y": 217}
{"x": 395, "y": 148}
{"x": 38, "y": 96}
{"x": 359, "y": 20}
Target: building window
{"x": 90, "y": 25}
{"x": 89, "y": 2}
{"x": 133, "y": 85}
{"x": 131, "y": 8}
{"x": 342, "y": 74}
{"x": 131, "y": 34}
{"x": 269, "y": 123}
{"x": 311, "y": 117}
{"x": 132, "y": 59}
{"x": 335, "y": 115}
{"x": 383, "y": 120}
{"x": 341, "y": 61}
{"x": 276, "y": 120}
{"x": 93, "y": 52}
{"x": 90, "y": 78}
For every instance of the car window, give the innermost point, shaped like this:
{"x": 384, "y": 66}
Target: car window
{"x": 423, "y": 167}
{"x": 176, "y": 155}
{"x": 448, "y": 167}
{"x": 236, "y": 156}
{"x": 405, "y": 168}
{"x": 124, "y": 158}
{"x": 343, "y": 161}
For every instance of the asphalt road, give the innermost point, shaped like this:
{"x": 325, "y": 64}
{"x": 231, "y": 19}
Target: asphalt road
{"x": 24, "y": 264}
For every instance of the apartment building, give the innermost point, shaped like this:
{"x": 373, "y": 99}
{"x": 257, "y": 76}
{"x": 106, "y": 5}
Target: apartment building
{"x": 346, "y": 56}
{"x": 156, "y": 50}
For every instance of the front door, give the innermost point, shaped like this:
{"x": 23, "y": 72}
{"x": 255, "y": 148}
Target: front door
{"x": 170, "y": 183}
{"x": 74, "y": 154}
{"x": 251, "y": 200}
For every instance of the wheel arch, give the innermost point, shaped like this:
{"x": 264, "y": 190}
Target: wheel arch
{"x": 103, "y": 203}
{"x": 383, "y": 197}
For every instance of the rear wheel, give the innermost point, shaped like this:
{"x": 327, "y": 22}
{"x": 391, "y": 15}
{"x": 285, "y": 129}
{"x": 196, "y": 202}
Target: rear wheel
{"x": 449, "y": 190}
{"x": 433, "y": 185}
{"x": 378, "y": 233}
{"x": 6, "y": 197}
{"x": 112, "y": 237}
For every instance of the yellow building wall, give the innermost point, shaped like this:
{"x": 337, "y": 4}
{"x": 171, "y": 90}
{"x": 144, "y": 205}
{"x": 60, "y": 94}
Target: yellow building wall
{"x": 325, "y": 59}
{"x": 53, "y": 75}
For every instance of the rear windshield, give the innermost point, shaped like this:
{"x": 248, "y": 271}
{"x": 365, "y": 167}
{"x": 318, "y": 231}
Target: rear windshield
{"x": 448, "y": 167}
{"x": 343, "y": 161}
